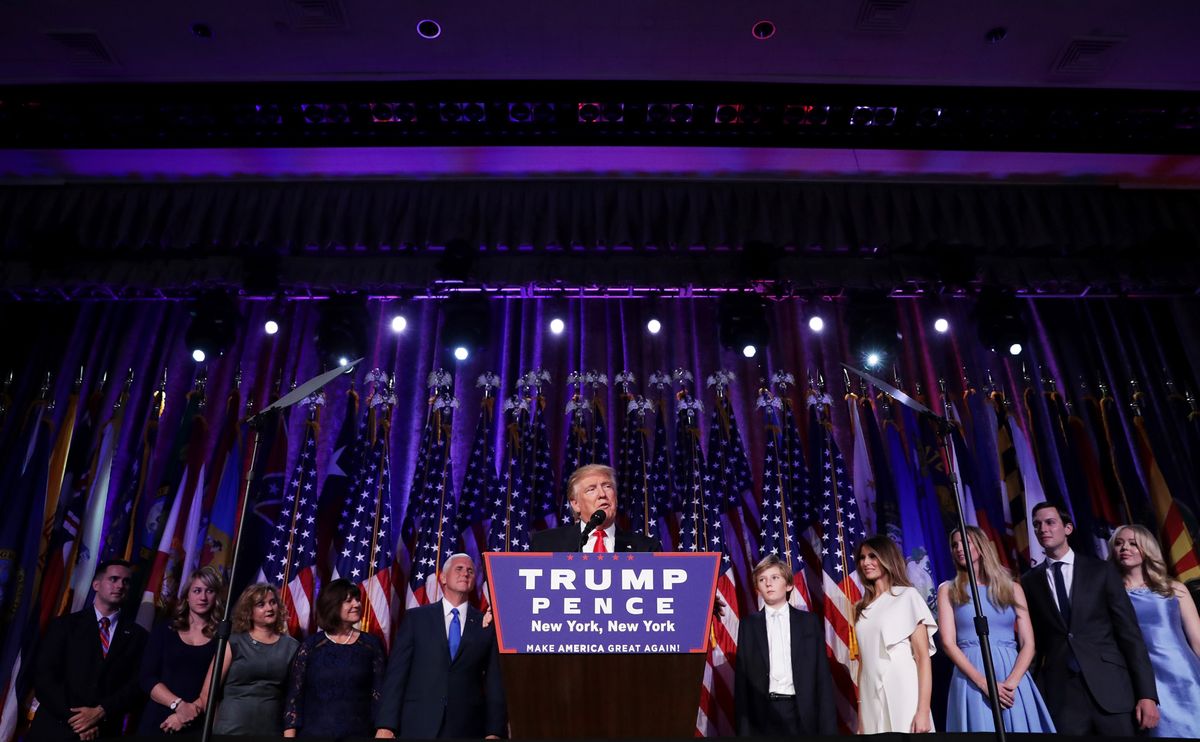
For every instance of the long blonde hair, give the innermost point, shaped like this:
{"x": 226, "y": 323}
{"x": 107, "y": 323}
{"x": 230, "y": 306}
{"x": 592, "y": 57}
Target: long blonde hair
{"x": 892, "y": 562}
{"x": 988, "y": 570}
{"x": 1154, "y": 567}
{"x": 211, "y": 578}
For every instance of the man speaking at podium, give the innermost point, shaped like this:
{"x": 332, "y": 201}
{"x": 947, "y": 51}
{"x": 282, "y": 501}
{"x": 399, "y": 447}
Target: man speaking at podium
{"x": 592, "y": 493}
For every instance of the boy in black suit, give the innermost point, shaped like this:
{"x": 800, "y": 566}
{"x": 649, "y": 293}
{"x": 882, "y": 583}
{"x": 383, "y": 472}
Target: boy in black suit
{"x": 86, "y": 671}
{"x": 782, "y": 684}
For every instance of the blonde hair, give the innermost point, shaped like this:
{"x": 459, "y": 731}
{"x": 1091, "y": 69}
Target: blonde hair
{"x": 988, "y": 570}
{"x": 892, "y": 562}
{"x": 1154, "y": 567}
{"x": 212, "y": 579}
{"x": 580, "y": 473}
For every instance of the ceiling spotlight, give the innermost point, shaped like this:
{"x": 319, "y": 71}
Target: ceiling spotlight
{"x": 215, "y": 319}
{"x": 750, "y": 351}
{"x": 465, "y": 321}
{"x": 816, "y": 324}
{"x": 1015, "y": 349}
{"x": 999, "y": 317}
{"x": 399, "y": 323}
{"x": 942, "y": 325}
{"x": 270, "y": 327}
{"x": 429, "y": 29}
{"x": 557, "y": 326}
{"x": 342, "y": 328}
{"x": 742, "y": 322}
{"x": 872, "y": 325}
{"x": 343, "y": 361}
{"x": 653, "y": 326}
{"x": 874, "y": 359}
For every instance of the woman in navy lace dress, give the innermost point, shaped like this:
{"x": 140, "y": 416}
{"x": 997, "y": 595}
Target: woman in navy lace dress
{"x": 337, "y": 674}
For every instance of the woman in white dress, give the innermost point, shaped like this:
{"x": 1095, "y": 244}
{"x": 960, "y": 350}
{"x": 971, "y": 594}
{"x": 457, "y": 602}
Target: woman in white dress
{"x": 895, "y": 640}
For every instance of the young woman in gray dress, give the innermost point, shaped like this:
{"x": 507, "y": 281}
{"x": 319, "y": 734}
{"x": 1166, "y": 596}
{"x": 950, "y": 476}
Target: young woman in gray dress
{"x": 255, "y": 666}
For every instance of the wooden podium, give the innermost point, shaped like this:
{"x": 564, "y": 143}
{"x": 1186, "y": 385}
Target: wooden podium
{"x": 594, "y": 677}
{"x": 595, "y": 696}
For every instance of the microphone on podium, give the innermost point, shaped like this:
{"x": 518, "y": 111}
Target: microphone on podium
{"x": 593, "y": 523}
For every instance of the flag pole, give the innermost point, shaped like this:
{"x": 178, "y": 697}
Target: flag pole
{"x": 942, "y": 430}
{"x": 225, "y": 626}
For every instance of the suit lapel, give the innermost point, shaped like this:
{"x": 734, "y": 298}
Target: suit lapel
{"x": 622, "y": 542}
{"x": 797, "y": 629}
{"x": 471, "y": 630}
{"x": 759, "y": 627}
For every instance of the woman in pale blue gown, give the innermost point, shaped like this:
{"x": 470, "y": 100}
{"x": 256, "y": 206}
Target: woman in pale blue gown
{"x": 1170, "y": 625}
{"x": 1003, "y": 601}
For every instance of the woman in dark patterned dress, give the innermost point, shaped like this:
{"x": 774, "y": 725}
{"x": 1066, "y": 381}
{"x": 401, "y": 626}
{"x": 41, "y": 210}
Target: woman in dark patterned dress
{"x": 336, "y": 677}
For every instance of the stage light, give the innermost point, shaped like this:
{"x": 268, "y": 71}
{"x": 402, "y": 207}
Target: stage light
{"x": 653, "y": 326}
{"x": 270, "y": 327}
{"x": 465, "y": 320}
{"x": 399, "y": 323}
{"x": 557, "y": 326}
{"x": 815, "y": 323}
{"x": 742, "y": 322}
{"x": 874, "y": 359}
{"x": 213, "y": 329}
{"x": 343, "y": 361}
{"x": 942, "y": 325}
{"x": 998, "y": 316}
{"x": 750, "y": 351}
{"x": 872, "y": 325}
{"x": 342, "y": 328}
{"x": 1015, "y": 349}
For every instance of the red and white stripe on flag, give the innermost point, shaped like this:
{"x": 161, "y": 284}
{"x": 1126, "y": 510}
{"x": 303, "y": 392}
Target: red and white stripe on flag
{"x": 840, "y": 598}
{"x": 380, "y": 606}
{"x": 298, "y": 598}
{"x": 715, "y": 716}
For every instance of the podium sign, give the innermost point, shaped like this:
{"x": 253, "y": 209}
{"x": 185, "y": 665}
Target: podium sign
{"x": 574, "y": 603}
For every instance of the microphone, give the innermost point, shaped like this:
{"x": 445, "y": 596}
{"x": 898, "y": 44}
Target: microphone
{"x": 593, "y": 523}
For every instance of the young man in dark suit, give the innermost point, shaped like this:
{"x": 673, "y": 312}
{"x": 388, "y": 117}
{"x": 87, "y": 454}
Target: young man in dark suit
{"x": 85, "y": 673}
{"x": 1091, "y": 663}
{"x": 443, "y": 679}
{"x": 782, "y": 684}
{"x": 590, "y": 489}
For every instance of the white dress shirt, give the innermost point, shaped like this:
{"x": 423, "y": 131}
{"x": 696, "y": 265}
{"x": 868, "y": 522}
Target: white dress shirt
{"x": 779, "y": 642}
{"x": 1068, "y": 573}
{"x": 610, "y": 538}
{"x": 462, "y": 616}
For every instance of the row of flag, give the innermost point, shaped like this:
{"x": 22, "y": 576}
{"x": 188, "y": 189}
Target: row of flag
{"x": 803, "y": 500}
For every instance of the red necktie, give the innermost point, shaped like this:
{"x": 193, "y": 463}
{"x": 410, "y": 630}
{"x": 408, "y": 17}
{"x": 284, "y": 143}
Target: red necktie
{"x": 600, "y": 548}
{"x": 104, "y": 635}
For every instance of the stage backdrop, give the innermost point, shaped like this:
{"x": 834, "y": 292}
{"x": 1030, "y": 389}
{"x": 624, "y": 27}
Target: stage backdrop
{"x": 115, "y": 442}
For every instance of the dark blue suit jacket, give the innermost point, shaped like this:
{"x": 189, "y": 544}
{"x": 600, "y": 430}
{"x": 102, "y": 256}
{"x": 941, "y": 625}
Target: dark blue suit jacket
{"x": 426, "y": 695}
{"x": 1104, "y": 635}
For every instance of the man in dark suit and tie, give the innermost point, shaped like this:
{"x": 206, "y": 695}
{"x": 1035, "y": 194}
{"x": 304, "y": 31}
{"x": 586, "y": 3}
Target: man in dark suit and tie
{"x": 590, "y": 489}
{"x": 782, "y": 685}
{"x": 1091, "y": 664}
{"x": 443, "y": 679}
{"x": 86, "y": 670}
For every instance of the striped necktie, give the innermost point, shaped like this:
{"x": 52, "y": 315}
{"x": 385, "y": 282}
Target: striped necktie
{"x": 104, "y": 635}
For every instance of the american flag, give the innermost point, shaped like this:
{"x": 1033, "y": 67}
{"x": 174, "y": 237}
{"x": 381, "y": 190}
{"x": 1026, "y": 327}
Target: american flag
{"x": 689, "y": 470}
{"x": 637, "y": 497}
{"x": 721, "y": 486}
{"x": 510, "y": 506}
{"x": 587, "y": 439}
{"x": 292, "y": 554}
{"x": 784, "y": 487}
{"x": 479, "y": 480}
{"x": 367, "y": 557}
{"x": 437, "y": 528}
{"x": 660, "y": 464}
{"x": 538, "y": 474}
{"x": 628, "y": 469}
{"x": 841, "y": 530}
